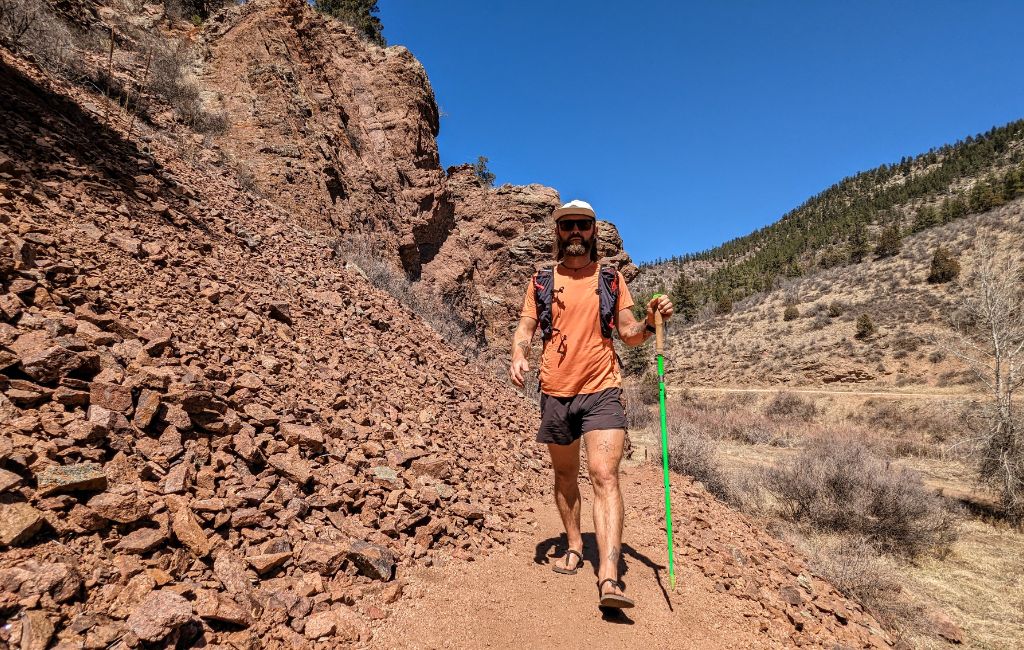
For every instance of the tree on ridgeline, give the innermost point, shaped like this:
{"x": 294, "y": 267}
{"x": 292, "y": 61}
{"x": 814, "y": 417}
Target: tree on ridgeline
{"x": 482, "y": 172}
{"x": 359, "y": 14}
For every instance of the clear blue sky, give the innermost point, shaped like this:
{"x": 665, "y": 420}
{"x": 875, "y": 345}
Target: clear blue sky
{"x": 690, "y": 123}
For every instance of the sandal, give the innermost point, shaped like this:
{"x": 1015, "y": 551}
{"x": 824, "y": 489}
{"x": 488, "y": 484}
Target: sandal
{"x": 616, "y": 601}
{"x": 572, "y": 571}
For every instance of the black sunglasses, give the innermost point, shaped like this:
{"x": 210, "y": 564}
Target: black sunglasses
{"x": 566, "y": 225}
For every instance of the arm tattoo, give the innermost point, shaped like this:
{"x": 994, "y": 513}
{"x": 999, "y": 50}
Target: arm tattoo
{"x": 524, "y": 347}
{"x": 634, "y": 329}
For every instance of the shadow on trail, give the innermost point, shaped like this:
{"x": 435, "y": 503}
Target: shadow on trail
{"x": 560, "y": 544}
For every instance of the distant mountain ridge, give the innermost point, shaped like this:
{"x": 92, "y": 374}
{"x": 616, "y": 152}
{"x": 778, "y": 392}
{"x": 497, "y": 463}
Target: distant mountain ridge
{"x": 859, "y": 217}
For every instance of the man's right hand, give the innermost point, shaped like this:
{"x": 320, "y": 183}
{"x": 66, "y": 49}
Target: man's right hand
{"x": 516, "y": 370}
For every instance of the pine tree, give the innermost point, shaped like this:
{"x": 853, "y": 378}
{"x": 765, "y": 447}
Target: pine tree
{"x": 482, "y": 172}
{"x": 358, "y": 13}
{"x": 926, "y": 217}
{"x": 889, "y": 242}
{"x": 685, "y": 298}
{"x": 944, "y": 267}
{"x": 858, "y": 244}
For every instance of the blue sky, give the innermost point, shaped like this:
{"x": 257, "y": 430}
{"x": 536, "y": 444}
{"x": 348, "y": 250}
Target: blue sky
{"x": 690, "y": 123}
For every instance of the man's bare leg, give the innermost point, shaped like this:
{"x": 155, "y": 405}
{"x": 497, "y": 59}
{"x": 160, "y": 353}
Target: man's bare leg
{"x": 566, "y": 461}
{"x": 604, "y": 452}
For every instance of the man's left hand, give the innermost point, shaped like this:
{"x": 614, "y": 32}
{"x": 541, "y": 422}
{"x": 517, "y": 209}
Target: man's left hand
{"x": 663, "y": 305}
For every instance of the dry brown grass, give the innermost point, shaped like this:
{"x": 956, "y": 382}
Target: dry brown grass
{"x": 859, "y": 571}
{"x": 171, "y": 79}
{"x": 359, "y": 253}
{"x": 976, "y": 580}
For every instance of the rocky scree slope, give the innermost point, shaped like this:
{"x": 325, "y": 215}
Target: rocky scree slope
{"x": 342, "y": 134}
{"x": 210, "y": 427}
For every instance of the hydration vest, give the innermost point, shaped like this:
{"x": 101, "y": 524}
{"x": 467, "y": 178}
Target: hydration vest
{"x": 607, "y": 291}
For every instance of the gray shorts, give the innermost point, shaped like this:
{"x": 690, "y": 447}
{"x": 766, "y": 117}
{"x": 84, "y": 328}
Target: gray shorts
{"x": 564, "y": 419}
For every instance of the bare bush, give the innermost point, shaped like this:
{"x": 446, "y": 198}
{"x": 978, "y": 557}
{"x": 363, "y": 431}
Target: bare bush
{"x": 32, "y": 28}
{"x": 638, "y": 413}
{"x": 169, "y": 78}
{"x": 790, "y": 405}
{"x": 725, "y": 422}
{"x": 359, "y": 253}
{"x": 838, "y": 485}
{"x": 694, "y": 455}
{"x": 649, "y": 389}
{"x": 855, "y": 568}
{"x": 988, "y": 336}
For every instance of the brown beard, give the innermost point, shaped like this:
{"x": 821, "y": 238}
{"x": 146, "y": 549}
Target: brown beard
{"x": 577, "y": 248}
{"x": 563, "y": 248}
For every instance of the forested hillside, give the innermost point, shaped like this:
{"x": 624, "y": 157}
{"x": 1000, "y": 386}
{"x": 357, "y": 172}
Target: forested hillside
{"x": 860, "y": 218}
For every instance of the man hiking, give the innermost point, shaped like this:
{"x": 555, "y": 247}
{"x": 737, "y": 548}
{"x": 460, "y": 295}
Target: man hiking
{"x": 577, "y": 303}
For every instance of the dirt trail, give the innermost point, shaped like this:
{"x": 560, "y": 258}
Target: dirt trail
{"x": 513, "y": 599}
{"x": 820, "y": 391}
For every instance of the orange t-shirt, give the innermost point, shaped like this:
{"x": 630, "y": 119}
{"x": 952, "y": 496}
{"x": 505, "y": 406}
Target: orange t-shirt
{"x": 577, "y": 360}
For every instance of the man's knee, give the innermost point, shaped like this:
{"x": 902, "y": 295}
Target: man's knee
{"x": 604, "y": 477}
{"x": 566, "y": 476}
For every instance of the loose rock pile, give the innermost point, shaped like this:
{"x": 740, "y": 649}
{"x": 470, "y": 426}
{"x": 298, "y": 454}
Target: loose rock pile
{"x": 210, "y": 427}
{"x": 793, "y": 606}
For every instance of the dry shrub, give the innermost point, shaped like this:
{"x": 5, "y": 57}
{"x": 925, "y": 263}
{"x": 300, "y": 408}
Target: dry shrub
{"x": 790, "y": 405}
{"x": 694, "y": 455}
{"x": 169, "y": 78}
{"x": 927, "y": 429}
{"x": 638, "y": 413}
{"x": 32, "y": 28}
{"x": 649, "y": 389}
{"x": 723, "y": 421}
{"x": 838, "y": 485}
{"x": 359, "y": 252}
{"x": 854, "y": 567}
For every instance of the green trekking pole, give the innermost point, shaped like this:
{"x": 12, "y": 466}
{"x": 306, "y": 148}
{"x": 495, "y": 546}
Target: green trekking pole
{"x": 660, "y": 350}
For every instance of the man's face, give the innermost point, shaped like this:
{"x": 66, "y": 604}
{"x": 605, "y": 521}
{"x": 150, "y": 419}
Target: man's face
{"x": 579, "y": 238}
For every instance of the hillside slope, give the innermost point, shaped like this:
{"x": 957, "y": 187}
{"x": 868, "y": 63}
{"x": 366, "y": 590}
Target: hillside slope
{"x": 195, "y": 391}
{"x": 214, "y": 431}
{"x": 857, "y": 219}
{"x": 755, "y": 345}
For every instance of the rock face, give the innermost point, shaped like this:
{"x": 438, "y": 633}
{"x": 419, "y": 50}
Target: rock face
{"x": 337, "y": 132}
{"x": 341, "y": 134}
{"x": 501, "y": 236}
{"x": 192, "y": 425}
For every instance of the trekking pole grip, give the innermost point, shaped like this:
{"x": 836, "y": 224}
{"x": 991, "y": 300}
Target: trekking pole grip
{"x": 659, "y": 332}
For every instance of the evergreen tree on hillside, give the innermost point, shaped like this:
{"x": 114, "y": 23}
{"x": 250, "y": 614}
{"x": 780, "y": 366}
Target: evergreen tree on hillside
{"x": 858, "y": 245}
{"x": 685, "y": 298}
{"x": 358, "y": 13}
{"x": 889, "y": 242}
{"x": 944, "y": 267}
{"x": 926, "y": 217}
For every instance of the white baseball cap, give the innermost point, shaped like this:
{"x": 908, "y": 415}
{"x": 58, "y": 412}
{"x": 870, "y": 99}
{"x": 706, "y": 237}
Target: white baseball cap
{"x": 574, "y": 207}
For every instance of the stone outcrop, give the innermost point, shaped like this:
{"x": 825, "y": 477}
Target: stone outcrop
{"x": 501, "y": 236}
{"x": 342, "y": 134}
